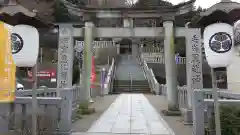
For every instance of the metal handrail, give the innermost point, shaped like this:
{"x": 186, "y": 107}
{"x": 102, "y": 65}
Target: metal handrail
{"x": 131, "y": 82}
{"x": 113, "y": 76}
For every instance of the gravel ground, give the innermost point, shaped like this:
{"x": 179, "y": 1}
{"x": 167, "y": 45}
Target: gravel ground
{"x": 174, "y": 122}
{"x": 100, "y": 105}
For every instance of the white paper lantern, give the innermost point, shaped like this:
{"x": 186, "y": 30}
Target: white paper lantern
{"x": 218, "y": 44}
{"x": 25, "y": 45}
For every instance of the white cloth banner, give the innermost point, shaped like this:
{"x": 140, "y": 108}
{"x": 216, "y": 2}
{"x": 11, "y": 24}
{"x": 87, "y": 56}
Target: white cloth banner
{"x": 79, "y": 46}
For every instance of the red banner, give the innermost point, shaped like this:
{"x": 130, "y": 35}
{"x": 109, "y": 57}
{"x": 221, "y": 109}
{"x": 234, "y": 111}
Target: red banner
{"x": 93, "y": 73}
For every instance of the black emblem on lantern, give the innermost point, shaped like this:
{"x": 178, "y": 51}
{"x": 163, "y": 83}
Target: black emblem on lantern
{"x": 17, "y": 43}
{"x": 220, "y": 42}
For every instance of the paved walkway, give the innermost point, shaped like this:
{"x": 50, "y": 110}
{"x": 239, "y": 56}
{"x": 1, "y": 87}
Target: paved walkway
{"x": 130, "y": 114}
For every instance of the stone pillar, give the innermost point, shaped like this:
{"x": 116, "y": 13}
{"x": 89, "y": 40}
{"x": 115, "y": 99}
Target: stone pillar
{"x": 118, "y": 48}
{"x": 128, "y": 22}
{"x": 65, "y": 123}
{"x": 170, "y": 66}
{"x": 116, "y": 40}
{"x": 65, "y": 56}
{"x": 193, "y": 67}
{"x": 134, "y": 50}
{"x": 194, "y": 62}
{"x": 87, "y": 61}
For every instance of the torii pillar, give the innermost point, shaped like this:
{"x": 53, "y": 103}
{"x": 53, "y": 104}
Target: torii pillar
{"x": 170, "y": 64}
{"x": 87, "y": 61}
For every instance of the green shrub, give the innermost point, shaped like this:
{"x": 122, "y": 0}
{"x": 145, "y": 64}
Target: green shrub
{"x": 83, "y": 105}
{"x": 230, "y": 120}
{"x": 83, "y": 109}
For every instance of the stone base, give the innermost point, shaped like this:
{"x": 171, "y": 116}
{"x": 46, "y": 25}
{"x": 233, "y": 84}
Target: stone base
{"x": 187, "y": 115}
{"x": 10, "y": 133}
{"x": 63, "y": 133}
{"x": 154, "y": 93}
{"x": 171, "y": 112}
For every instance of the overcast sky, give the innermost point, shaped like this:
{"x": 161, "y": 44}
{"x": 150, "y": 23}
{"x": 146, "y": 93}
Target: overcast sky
{"x": 202, "y": 3}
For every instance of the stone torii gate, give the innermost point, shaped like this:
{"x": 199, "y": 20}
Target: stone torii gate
{"x": 193, "y": 45}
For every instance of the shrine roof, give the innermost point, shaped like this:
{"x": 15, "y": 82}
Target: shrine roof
{"x": 26, "y": 12}
{"x": 119, "y": 7}
{"x": 224, "y": 11}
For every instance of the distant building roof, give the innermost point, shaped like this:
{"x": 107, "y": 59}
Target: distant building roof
{"x": 224, "y": 11}
{"x": 27, "y": 12}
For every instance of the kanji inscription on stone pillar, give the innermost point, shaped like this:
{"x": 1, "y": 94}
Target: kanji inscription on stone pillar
{"x": 65, "y": 56}
{"x": 194, "y": 62}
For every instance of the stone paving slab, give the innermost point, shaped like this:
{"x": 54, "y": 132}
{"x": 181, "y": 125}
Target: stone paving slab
{"x": 100, "y": 105}
{"x": 176, "y": 123}
{"x": 130, "y": 114}
{"x": 86, "y": 133}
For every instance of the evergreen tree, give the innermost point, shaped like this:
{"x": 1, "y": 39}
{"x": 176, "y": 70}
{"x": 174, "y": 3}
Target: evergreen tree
{"x": 60, "y": 12}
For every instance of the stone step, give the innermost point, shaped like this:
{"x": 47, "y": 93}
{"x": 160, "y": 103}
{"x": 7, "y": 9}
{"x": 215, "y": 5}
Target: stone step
{"x": 136, "y": 86}
{"x": 127, "y": 90}
{"x": 129, "y": 86}
{"x": 133, "y": 85}
{"x": 134, "y": 82}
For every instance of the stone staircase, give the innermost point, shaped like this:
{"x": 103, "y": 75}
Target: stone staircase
{"x": 129, "y": 76}
{"x": 136, "y": 86}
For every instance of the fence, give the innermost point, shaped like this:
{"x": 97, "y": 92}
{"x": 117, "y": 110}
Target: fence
{"x": 110, "y": 77}
{"x": 150, "y": 77}
{"x": 182, "y": 94}
{"x": 152, "y": 49}
{"x": 161, "y": 89}
{"x": 159, "y": 58}
{"x": 52, "y": 92}
{"x": 203, "y": 107}
{"x": 54, "y": 114}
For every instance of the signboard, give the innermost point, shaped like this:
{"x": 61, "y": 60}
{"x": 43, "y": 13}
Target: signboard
{"x": 44, "y": 74}
{"x": 7, "y": 66}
